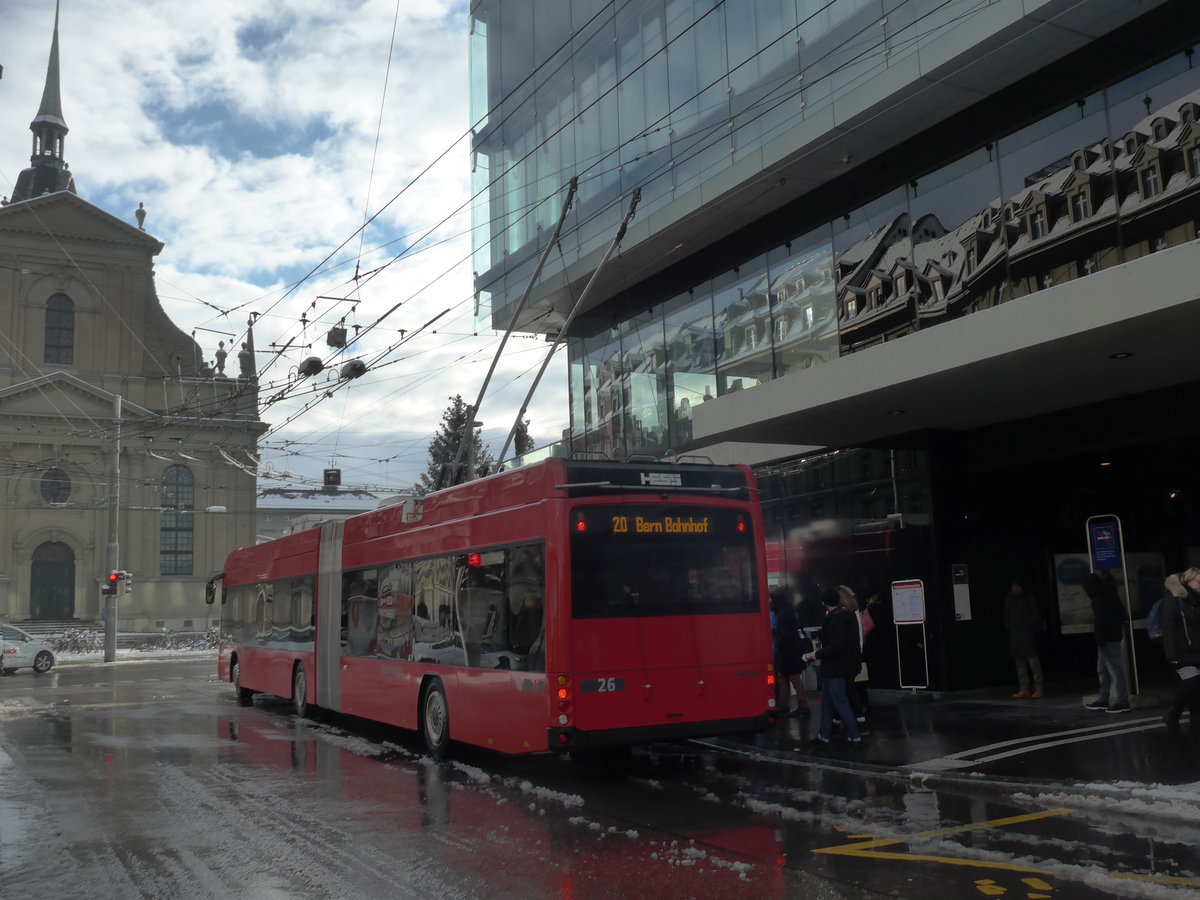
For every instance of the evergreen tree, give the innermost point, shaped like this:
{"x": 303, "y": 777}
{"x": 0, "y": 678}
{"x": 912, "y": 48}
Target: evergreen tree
{"x": 522, "y": 442}
{"x": 441, "y": 471}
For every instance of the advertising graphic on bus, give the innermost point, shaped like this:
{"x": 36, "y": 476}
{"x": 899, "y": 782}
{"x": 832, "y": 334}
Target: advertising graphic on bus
{"x": 568, "y": 605}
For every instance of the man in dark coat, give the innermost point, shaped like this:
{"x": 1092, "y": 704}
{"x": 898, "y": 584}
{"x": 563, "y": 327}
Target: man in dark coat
{"x": 1181, "y": 643}
{"x": 1109, "y": 615}
{"x": 841, "y": 658}
{"x": 1023, "y": 619}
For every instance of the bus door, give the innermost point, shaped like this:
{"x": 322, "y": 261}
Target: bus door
{"x": 666, "y": 612}
{"x": 329, "y": 618}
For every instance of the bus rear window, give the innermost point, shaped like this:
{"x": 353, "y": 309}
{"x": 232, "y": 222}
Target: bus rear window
{"x": 661, "y": 561}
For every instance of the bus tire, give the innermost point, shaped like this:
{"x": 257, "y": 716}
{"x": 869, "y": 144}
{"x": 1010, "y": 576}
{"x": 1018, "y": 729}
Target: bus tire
{"x": 299, "y": 692}
{"x": 435, "y": 719}
{"x": 245, "y": 696}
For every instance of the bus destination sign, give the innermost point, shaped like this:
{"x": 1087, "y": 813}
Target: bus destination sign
{"x": 661, "y": 525}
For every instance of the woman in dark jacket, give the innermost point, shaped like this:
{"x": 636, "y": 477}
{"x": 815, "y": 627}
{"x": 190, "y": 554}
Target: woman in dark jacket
{"x": 1181, "y": 643}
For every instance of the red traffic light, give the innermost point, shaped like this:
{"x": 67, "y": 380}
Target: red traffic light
{"x": 114, "y": 577}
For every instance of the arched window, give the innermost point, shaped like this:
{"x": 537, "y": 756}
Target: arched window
{"x": 175, "y": 533}
{"x": 56, "y": 486}
{"x": 60, "y": 330}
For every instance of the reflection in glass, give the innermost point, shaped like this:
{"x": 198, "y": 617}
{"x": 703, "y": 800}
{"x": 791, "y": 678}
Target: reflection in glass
{"x": 692, "y": 358}
{"x": 742, "y": 315}
{"x": 873, "y": 250}
{"x": 645, "y": 361}
{"x": 598, "y": 370}
{"x": 804, "y": 320}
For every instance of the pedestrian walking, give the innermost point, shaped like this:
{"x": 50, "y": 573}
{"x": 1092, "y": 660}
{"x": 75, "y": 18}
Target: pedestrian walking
{"x": 840, "y": 657}
{"x": 1023, "y": 619}
{"x": 1181, "y": 643}
{"x": 1109, "y": 630}
{"x": 789, "y": 653}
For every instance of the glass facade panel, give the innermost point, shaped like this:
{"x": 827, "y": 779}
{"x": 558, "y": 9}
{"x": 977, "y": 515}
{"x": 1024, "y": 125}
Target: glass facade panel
{"x": 742, "y": 316}
{"x": 1040, "y": 167}
{"x": 691, "y": 358}
{"x": 804, "y": 316}
{"x": 958, "y": 262}
{"x": 871, "y": 246}
{"x": 645, "y": 356}
{"x": 598, "y": 418}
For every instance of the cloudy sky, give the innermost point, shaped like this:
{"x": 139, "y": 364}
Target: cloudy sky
{"x": 260, "y": 137}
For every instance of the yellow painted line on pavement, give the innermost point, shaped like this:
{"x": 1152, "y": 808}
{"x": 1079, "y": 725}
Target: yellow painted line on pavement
{"x": 869, "y": 849}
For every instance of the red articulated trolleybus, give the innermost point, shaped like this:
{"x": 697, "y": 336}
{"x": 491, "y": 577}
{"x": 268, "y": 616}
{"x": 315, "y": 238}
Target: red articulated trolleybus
{"x": 567, "y": 605}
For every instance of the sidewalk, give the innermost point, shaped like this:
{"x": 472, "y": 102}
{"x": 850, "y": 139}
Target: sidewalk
{"x": 1051, "y": 746}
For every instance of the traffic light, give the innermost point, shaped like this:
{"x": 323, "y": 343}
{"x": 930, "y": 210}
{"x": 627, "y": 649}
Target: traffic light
{"x": 127, "y": 577}
{"x": 110, "y": 586}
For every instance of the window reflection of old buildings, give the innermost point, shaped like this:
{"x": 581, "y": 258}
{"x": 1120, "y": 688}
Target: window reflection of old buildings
{"x": 1113, "y": 177}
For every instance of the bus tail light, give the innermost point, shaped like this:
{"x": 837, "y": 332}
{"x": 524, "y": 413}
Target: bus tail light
{"x": 563, "y": 697}
{"x": 771, "y": 683}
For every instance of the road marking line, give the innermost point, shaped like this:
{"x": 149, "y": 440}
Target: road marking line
{"x": 868, "y": 848}
{"x": 965, "y": 758}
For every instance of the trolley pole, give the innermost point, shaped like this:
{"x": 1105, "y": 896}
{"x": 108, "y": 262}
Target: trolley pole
{"x": 114, "y": 548}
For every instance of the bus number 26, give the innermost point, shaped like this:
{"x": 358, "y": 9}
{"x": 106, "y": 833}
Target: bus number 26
{"x": 603, "y": 685}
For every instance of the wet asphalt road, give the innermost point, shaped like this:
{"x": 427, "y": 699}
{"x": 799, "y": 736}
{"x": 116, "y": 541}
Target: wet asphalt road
{"x": 145, "y": 779}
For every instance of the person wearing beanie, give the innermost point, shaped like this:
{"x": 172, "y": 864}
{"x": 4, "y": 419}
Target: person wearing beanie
{"x": 840, "y": 656}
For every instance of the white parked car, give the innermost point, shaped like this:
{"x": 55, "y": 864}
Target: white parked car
{"x": 20, "y": 649}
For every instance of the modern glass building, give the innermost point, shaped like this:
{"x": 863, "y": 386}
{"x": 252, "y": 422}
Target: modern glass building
{"x": 931, "y": 265}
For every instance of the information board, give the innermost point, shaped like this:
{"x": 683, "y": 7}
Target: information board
{"x": 908, "y": 602}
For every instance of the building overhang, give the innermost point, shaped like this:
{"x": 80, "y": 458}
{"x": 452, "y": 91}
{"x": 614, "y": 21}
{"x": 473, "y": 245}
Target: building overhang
{"x": 1091, "y": 339}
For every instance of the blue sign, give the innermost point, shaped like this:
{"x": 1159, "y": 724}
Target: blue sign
{"x": 1105, "y": 537}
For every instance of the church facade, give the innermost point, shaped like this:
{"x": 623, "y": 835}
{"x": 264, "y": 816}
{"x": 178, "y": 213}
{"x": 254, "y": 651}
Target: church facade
{"x": 120, "y": 446}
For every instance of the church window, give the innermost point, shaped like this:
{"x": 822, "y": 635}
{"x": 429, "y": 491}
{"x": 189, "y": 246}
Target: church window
{"x": 176, "y": 548}
{"x": 60, "y": 330}
{"x": 56, "y": 486}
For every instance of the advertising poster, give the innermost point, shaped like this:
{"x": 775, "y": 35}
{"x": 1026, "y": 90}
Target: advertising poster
{"x": 1146, "y": 574}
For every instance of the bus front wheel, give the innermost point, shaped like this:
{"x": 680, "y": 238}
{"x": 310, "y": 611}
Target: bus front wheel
{"x": 245, "y": 696}
{"x": 435, "y": 720}
{"x": 299, "y": 692}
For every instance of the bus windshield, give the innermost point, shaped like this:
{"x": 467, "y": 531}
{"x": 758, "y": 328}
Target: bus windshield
{"x": 632, "y": 560}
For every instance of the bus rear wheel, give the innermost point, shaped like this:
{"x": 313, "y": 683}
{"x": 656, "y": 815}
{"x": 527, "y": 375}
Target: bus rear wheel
{"x": 300, "y": 692}
{"x": 245, "y": 696}
{"x": 435, "y": 720}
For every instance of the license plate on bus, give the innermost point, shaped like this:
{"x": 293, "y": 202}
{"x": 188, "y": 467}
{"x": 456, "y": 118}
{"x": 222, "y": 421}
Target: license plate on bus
{"x": 602, "y": 685}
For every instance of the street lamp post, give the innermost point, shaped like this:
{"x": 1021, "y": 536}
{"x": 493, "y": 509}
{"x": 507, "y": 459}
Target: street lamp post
{"x": 114, "y": 548}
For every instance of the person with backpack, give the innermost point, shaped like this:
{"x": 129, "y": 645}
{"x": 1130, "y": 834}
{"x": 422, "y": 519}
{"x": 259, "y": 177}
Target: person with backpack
{"x": 1109, "y": 615}
{"x": 1181, "y": 643}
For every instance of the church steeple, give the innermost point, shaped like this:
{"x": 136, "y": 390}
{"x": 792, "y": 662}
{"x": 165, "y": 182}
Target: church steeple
{"x": 48, "y": 171}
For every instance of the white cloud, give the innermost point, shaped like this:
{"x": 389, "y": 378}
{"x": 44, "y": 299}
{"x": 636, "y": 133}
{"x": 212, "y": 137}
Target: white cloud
{"x": 254, "y": 135}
